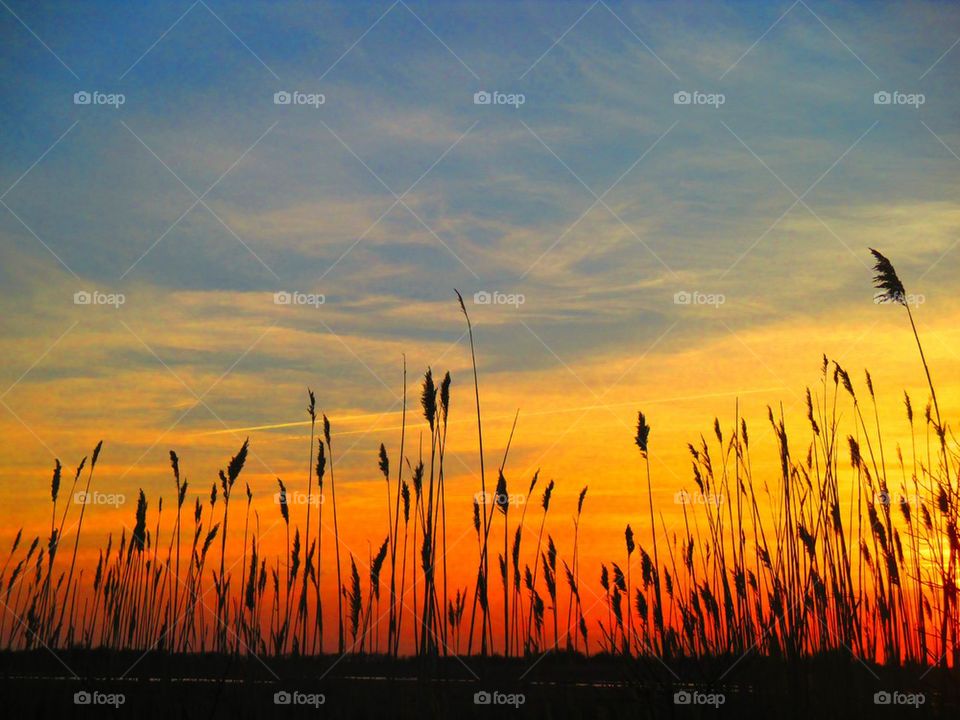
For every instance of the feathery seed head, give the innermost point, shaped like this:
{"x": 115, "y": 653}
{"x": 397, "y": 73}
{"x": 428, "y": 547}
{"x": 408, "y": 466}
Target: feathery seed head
{"x": 583, "y": 495}
{"x": 418, "y": 478}
{"x": 175, "y": 464}
{"x": 428, "y": 398}
{"x": 284, "y": 510}
{"x": 546, "y": 496}
{"x": 236, "y": 464}
{"x": 445, "y": 396}
{"x": 502, "y": 497}
{"x": 643, "y": 433}
{"x": 384, "y": 463}
{"x": 887, "y": 281}
{"x": 855, "y": 459}
{"x": 321, "y": 463}
{"x": 55, "y": 482}
{"x": 139, "y": 529}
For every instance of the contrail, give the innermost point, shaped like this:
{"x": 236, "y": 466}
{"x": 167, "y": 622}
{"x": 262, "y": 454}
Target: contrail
{"x": 509, "y": 416}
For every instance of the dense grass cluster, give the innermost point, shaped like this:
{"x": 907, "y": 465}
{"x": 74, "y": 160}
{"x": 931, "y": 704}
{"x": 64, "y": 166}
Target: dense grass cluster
{"x": 853, "y": 544}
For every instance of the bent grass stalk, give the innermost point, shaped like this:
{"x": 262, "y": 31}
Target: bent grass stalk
{"x": 786, "y": 564}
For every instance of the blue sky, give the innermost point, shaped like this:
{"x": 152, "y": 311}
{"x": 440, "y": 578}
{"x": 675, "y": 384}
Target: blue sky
{"x": 597, "y": 199}
{"x": 693, "y": 260}
{"x": 402, "y": 96}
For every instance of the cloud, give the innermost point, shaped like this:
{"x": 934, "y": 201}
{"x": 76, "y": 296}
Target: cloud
{"x": 298, "y": 207}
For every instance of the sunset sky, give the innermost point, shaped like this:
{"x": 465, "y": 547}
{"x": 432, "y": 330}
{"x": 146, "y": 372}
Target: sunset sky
{"x": 595, "y": 201}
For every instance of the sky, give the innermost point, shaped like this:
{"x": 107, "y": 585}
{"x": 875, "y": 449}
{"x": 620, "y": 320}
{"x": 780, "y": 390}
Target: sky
{"x": 689, "y": 259}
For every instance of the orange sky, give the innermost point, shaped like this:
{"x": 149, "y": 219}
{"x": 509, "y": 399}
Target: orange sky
{"x": 618, "y": 248}
{"x": 576, "y": 433}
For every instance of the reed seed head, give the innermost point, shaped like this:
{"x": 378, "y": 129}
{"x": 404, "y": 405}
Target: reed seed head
{"x": 547, "y": 493}
{"x": 502, "y": 497}
{"x": 583, "y": 495}
{"x": 96, "y": 454}
{"x": 887, "y": 281}
{"x": 445, "y": 396}
{"x": 55, "y": 482}
{"x": 384, "y": 463}
{"x": 284, "y": 509}
{"x": 321, "y": 463}
{"x": 428, "y": 398}
{"x": 175, "y": 464}
{"x": 643, "y": 433}
{"x": 236, "y": 464}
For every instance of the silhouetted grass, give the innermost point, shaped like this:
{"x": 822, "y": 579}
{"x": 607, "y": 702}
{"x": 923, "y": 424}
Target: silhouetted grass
{"x": 787, "y": 575}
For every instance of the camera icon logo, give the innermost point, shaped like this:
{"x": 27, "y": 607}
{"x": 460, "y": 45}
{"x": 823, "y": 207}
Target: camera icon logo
{"x": 882, "y": 98}
{"x": 81, "y": 98}
{"x": 682, "y": 298}
{"x": 682, "y": 497}
{"x": 682, "y": 97}
{"x": 482, "y": 97}
{"x": 82, "y": 697}
{"x": 282, "y": 98}
{"x": 682, "y": 697}
{"x": 482, "y": 698}
{"x": 282, "y": 697}
{"x": 482, "y": 298}
{"x": 82, "y": 297}
{"x": 282, "y": 298}
{"x": 882, "y": 698}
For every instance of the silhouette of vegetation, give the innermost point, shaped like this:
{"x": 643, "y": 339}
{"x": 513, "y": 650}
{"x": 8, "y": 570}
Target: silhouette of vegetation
{"x": 840, "y": 550}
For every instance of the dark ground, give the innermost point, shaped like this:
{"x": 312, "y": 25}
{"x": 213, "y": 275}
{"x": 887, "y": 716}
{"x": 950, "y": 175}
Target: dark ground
{"x": 37, "y": 684}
